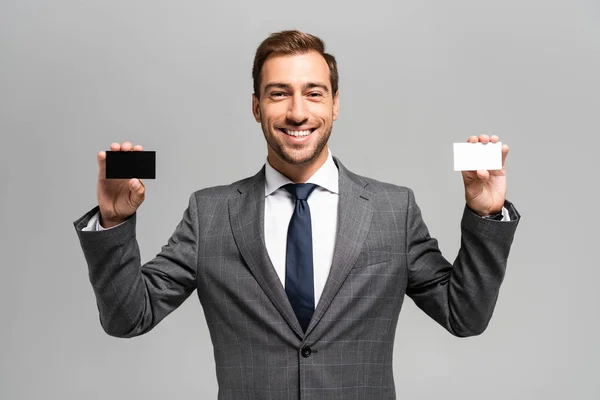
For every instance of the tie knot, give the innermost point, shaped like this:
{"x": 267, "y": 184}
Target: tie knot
{"x": 300, "y": 191}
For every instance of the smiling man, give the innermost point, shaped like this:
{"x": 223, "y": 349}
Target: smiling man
{"x": 301, "y": 269}
{"x": 296, "y": 101}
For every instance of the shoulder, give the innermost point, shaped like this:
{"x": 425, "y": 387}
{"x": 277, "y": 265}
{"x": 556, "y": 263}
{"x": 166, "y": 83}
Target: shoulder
{"x": 231, "y": 190}
{"x": 388, "y": 194}
{"x": 378, "y": 187}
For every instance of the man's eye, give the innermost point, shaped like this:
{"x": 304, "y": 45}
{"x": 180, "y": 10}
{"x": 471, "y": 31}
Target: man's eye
{"x": 277, "y": 94}
{"x": 315, "y": 95}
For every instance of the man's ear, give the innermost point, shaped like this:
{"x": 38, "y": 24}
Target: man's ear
{"x": 336, "y": 105}
{"x": 256, "y": 108}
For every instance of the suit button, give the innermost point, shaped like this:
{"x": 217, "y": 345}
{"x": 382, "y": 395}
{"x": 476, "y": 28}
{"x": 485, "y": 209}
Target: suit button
{"x": 306, "y": 351}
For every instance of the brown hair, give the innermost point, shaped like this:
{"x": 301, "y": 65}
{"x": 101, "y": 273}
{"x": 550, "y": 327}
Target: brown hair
{"x": 291, "y": 43}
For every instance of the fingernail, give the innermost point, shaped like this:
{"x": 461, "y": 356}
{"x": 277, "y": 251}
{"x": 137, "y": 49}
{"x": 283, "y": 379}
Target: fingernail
{"x": 136, "y": 184}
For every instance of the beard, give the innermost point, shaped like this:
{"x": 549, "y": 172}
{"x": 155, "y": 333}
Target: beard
{"x": 300, "y": 154}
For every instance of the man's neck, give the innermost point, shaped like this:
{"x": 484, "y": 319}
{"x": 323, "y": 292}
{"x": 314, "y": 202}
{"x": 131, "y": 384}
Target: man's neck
{"x": 298, "y": 173}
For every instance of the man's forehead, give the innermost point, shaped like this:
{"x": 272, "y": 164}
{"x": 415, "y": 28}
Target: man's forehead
{"x": 295, "y": 69}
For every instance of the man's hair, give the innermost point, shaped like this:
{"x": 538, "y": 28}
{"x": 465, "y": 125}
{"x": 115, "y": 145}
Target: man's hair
{"x": 291, "y": 43}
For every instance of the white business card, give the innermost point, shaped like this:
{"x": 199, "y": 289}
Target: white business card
{"x": 475, "y": 156}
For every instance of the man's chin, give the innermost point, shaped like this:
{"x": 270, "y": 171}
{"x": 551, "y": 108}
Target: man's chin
{"x": 299, "y": 158}
{"x": 299, "y": 154}
{"x": 295, "y": 160}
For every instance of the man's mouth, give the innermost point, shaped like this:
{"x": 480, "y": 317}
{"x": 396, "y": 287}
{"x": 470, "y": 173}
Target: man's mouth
{"x": 297, "y": 133}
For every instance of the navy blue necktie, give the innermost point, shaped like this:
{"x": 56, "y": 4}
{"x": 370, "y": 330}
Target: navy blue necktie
{"x": 299, "y": 256}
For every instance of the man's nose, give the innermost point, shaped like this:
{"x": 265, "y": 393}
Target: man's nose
{"x": 297, "y": 110}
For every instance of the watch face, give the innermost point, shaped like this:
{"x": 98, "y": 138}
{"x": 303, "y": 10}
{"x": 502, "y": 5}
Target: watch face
{"x": 496, "y": 217}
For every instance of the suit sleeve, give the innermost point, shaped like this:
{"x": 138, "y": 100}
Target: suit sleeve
{"x": 133, "y": 298}
{"x": 460, "y": 296}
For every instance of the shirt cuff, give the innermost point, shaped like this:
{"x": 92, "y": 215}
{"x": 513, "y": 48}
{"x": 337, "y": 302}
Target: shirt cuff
{"x": 505, "y": 215}
{"x": 94, "y": 224}
{"x": 502, "y": 216}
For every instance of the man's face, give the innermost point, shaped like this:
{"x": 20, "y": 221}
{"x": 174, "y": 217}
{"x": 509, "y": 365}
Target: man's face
{"x": 296, "y": 108}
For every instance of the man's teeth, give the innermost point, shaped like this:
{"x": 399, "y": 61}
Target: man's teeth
{"x": 298, "y": 133}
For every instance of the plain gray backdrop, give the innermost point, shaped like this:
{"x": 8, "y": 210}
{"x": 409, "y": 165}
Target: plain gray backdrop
{"x": 415, "y": 76}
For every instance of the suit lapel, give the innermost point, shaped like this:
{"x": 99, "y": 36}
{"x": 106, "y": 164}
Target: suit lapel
{"x": 246, "y": 214}
{"x": 355, "y": 211}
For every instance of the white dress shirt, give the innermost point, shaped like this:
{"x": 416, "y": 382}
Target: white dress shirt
{"x": 323, "y": 204}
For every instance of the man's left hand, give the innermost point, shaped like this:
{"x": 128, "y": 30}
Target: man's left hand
{"x": 485, "y": 191}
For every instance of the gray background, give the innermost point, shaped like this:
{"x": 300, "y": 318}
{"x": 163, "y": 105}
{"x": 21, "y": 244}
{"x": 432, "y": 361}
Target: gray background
{"x": 415, "y": 76}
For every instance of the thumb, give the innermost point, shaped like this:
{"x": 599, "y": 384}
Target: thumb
{"x": 483, "y": 175}
{"x": 137, "y": 190}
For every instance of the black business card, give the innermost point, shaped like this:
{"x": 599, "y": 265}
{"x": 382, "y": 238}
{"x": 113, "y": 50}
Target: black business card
{"x": 130, "y": 164}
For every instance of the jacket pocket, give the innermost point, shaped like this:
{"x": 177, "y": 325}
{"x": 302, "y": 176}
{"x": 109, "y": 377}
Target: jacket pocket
{"x": 373, "y": 257}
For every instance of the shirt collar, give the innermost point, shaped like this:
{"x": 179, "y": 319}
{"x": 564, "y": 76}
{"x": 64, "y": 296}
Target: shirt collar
{"x": 326, "y": 177}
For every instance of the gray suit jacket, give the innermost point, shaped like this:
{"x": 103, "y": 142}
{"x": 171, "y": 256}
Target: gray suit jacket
{"x": 383, "y": 251}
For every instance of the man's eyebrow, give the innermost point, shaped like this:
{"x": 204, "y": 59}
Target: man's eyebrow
{"x": 277, "y": 85}
{"x": 313, "y": 85}
{"x": 286, "y": 86}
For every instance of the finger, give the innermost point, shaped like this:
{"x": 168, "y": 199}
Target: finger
{"x": 138, "y": 147}
{"x": 505, "y": 150}
{"x": 483, "y": 175}
{"x": 494, "y": 139}
{"x": 101, "y": 156}
{"x": 473, "y": 139}
{"x": 484, "y": 139}
{"x": 126, "y": 146}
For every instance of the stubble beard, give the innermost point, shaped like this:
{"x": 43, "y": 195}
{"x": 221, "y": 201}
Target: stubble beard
{"x": 287, "y": 154}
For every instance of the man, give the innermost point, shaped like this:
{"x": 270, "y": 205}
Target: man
{"x": 302, "y": 268}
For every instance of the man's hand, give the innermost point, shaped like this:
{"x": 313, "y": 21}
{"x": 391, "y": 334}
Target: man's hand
{"x": 485, "y": 191}
{"x": 118, "y": 198}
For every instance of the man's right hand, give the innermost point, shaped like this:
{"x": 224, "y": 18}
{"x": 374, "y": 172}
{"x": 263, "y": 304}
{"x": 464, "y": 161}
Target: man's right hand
{"x": 118, "y": 198}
